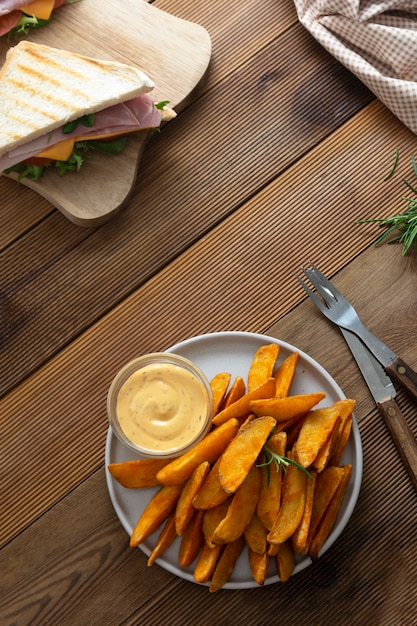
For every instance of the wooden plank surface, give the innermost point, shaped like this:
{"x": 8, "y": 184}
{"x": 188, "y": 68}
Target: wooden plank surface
{"x": 238, "y": 262}
{"x": 234, "y": 206}
{"x": 238, "y": 29}
{"x": 194, "y": 174}
{"x": 355, "y": 566}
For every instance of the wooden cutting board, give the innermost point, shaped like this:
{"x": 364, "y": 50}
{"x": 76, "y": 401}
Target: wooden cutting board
{"x": 173, "y": 52}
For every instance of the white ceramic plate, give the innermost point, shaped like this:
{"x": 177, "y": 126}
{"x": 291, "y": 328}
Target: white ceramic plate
{"x": 233, "y": 352}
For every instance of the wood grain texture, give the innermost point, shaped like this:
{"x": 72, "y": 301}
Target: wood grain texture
{"x": 175, "y": 53}
{"x": 279, "y": 155}
{"x": 199, "y": 170}
{"x": 19, "y": 214}
{"x": 86, "y": 555}
{"x": 78, "y": 538}
{"x": 238, "y": 29}
{"x": 64, "y": 402}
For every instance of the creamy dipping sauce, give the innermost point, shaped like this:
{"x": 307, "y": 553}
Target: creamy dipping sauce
{"x": 162, "y": 407}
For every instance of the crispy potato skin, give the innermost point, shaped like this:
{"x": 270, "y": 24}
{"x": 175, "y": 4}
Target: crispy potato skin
{"x": 262, "y": 365}
{"x": 328, "y": 519}
{"x": 288, "y": 408}
{"x": 137, "y": 474}
{"x": 226, "y": 564}
{"x": 159, "y": 507}
{"x": 284, "y": 375}
{"x": 241, "y": 509}
{"x": 208, "y": 449}
{"x": 211, "y": 493}
{"x": 241, "y": 408}
{"x": 292, "y": 506}
{"x": 220, "y": 497}
{"x": 192, "y": 540}
{"x": 242, "y": 452}
{"x": 166, "y": 537}
{"x": 219, "y": 385}
{"x": 185, "y": 509}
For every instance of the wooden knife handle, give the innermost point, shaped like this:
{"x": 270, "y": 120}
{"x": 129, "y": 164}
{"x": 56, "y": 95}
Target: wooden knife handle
{"x": 403, "y": 373}
{"x": 402, "y": 436}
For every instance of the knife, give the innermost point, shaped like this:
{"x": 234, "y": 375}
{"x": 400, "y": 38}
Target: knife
{"x": 383, "y": 392}
{"x": 391, "y": 362}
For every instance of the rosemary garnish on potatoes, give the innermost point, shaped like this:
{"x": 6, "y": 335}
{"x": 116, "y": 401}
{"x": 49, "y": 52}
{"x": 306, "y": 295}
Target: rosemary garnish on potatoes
{"x": 272, "y": 457}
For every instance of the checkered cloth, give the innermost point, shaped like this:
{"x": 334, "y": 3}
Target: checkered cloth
{"x": 374, "y": 39}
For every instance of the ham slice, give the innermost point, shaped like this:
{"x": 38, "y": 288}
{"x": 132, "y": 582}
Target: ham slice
{"x": 136, "y": 114}
{"x": 9, "y": 21}
{"x": 7, "y": 6}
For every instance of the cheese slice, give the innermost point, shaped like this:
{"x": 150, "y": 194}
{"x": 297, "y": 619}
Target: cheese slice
{"x": 62, "y": 150}
{"x": 39, "y": 8}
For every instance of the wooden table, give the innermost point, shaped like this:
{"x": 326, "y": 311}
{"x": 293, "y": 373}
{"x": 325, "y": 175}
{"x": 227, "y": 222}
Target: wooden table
{"x": 278, "y": 156}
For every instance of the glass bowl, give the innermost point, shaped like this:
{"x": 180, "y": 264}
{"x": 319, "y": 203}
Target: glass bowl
{"x": 160, "y": 405}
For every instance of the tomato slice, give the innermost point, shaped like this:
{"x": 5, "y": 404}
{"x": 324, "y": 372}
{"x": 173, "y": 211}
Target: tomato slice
{"x": 37, "y": 161}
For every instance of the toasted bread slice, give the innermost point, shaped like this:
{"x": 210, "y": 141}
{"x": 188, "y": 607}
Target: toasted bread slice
{"x": 42, "y": 88}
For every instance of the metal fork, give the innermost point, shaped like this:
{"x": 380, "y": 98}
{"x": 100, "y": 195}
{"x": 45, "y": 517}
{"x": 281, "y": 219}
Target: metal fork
{"x": 337, "y": 309}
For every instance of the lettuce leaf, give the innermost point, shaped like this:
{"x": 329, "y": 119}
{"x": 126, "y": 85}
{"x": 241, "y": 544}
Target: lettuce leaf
{"x": 74, "y": 161}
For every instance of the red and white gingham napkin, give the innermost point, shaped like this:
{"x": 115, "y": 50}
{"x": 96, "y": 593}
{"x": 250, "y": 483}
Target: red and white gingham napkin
{"x": 374, "y": 39}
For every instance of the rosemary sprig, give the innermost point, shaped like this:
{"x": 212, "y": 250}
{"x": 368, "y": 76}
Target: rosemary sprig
{"x": 404, "y": 224}
{"x": 279, "y": 460}
{"x": 394, "y": 165}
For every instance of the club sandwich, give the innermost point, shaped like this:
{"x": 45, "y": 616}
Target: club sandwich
{"x": 56, "y": 105}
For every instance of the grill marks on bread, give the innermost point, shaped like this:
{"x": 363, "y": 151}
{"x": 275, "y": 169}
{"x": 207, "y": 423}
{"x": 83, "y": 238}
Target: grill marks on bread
{"x": 28, "y": 80}
{"x": 43, "y": 88}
